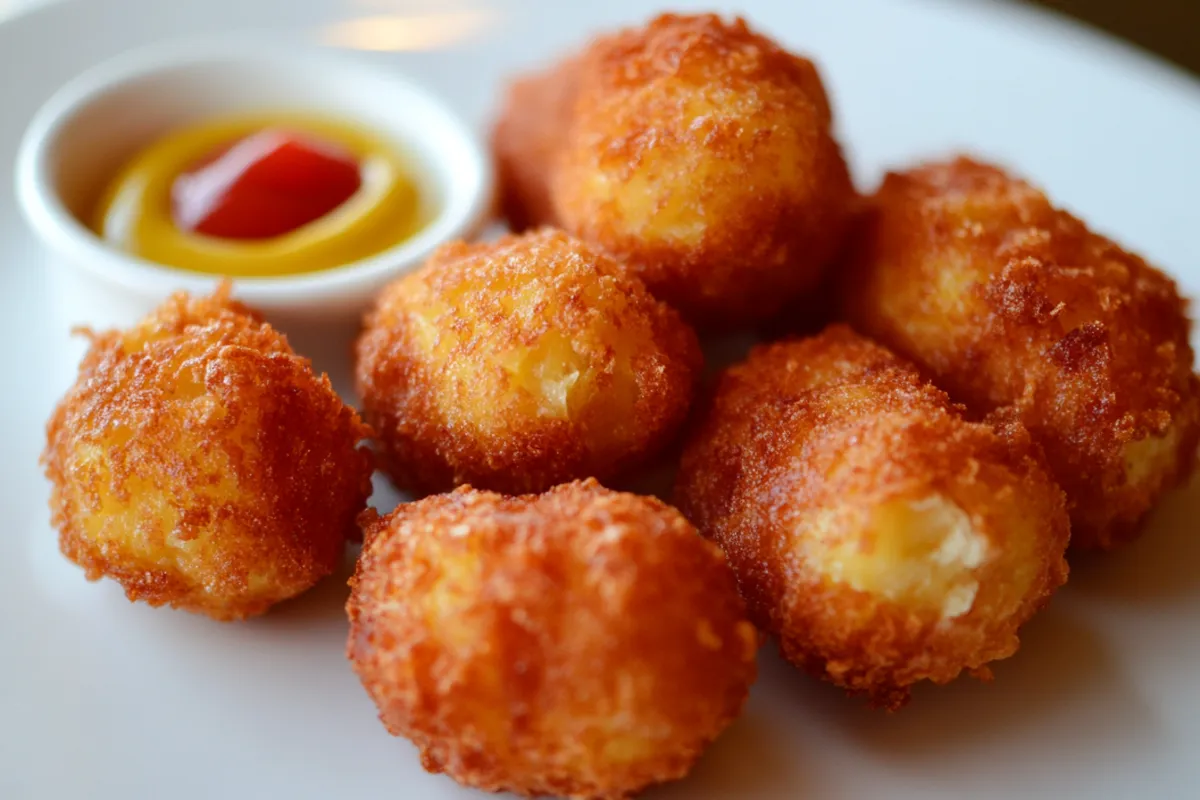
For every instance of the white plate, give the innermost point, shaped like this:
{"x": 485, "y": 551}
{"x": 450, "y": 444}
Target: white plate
{"x": 103, "y": 699}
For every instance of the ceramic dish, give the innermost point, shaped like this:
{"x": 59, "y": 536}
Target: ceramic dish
{"x": 83, "y": 134}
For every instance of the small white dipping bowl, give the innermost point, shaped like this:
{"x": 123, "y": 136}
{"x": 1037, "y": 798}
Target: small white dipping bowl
{"x": 96, "y": 123}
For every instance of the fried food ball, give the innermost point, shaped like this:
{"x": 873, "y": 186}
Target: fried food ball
{"x": 527, "y": 139}
{"x": 582, "y": 643}
{"x": 520, "y": 364}
{"x": 1006, "y": 300}
{"x": 200, "y": 462}
{"x": 880, "y": 536}
{"x": 702, "y": 153}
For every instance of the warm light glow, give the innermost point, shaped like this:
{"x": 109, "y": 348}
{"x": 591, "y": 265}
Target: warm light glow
{"x": 399, "y": 32}
{"x": 410, "y": 7}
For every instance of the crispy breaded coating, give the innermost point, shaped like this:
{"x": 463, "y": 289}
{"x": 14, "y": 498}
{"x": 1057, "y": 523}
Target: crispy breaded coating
{"x": 581, "y": 643}
{"x": 701, "y": 153}
{"x": 527, "y": 139}
{"x": 882, "y": 539}
{"x": 200, "y": 462}
{"x": 520, "y": 364}
{"x": 1007, "y": 300}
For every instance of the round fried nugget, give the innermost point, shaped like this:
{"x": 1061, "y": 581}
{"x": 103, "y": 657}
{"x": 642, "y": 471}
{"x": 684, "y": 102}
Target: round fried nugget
{"x": 200, "y": 462}
{"x": 527, "y": 139}
{"x": 1006, "y": 300}
{"x": 520, "y": 364}
{"x": 881, "y": 537}
{"x": 581, "y": 643}
{"x": 702, "y": 153}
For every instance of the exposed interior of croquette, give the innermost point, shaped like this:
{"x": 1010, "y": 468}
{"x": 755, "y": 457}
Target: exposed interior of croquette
{"x": 918, "y": 552}
{"x": 1149, "y": 460}
{"x": 548, "y": 373}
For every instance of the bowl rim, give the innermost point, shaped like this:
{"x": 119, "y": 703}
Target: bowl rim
{"x": 472, "y": 177}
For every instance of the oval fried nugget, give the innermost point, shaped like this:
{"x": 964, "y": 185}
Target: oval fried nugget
{"x": 701, "y": 153}
{"x": 527, "y": 139}
{"x": 581, "y": 643}
{"x": 881, "y": 537}
{"x": 1007, "y": 300}
{"x": 200, "y": 462}
{"x": 520, "y": 364}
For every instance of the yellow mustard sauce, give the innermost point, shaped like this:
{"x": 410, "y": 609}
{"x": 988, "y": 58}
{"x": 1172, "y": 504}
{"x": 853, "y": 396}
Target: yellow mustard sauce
{"x": 135, "y": 212}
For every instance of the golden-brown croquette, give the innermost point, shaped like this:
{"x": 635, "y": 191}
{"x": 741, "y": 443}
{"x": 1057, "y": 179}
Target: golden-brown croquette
{"x": 581, "y": 643}
{"x": 520, "y": 364}
{"x": 1006, "y": 300}
{"x": 702, "y": 153}
{"x": 527, "y": 139}
{"x": 881, "y": 537}
{"x": 199, "y": 462}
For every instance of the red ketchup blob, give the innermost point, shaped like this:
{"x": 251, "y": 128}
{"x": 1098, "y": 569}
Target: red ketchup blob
{"x": 265, "y": 185}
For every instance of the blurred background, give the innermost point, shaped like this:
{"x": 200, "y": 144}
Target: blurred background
{"x": 1170, "y": 28}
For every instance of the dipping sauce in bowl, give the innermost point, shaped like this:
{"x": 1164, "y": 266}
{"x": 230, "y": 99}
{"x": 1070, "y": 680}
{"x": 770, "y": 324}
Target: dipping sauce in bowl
{"x": 262, "y": 196}
{"x": 312, "y": 177}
